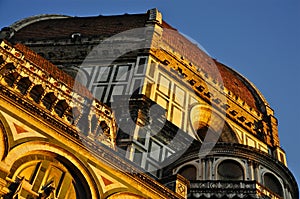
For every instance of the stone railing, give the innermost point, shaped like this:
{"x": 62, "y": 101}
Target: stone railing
{"x": 230, "y": 189}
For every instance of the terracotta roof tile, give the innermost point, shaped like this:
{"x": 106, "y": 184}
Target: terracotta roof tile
{"x": 238, "y": 86}
{"x": 189, "y": 50}
{"x": 86, "y": 26}
{"x": 231, "y": 79}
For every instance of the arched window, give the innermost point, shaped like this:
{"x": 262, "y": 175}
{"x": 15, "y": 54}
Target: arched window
{"x": 47, "y": 177}
{"x": 11, "y": 78}
{"x": 230, "y": 170}
{"x": 23, "y": 85}
{"x": 61, "y": 107}
{"x": 189, "y": 172}
{"x": 7, "y": 68}
{"x": 48, "y": 100}
{"x": 36, "y": 93}
{"x": 104, "y": 127}
{"x": 272, "y": 183}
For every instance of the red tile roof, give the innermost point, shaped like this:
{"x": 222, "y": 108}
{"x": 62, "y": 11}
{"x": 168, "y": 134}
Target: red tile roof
{"x": 86, "y": 26}
{"x": 238, "y": 86}
{"x": 189, "y": 50}
{"x": 231, "y": 79}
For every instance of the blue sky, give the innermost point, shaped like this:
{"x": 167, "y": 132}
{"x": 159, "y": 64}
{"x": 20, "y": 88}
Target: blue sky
{"x": 260, "y": 39}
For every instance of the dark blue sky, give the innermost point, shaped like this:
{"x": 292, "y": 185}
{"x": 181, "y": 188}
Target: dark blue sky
{"x": 258, "y": 38}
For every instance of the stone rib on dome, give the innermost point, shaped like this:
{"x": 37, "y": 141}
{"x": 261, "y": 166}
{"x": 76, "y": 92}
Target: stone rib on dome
{"x": 33, "y": 19}
{"x": 86, "y": 26}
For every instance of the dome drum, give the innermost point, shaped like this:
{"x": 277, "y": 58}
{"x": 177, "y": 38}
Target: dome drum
{"x": 234, "y": 168}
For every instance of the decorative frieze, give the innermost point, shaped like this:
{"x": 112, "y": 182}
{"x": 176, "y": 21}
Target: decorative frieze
{"x": 230, "y": 189}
